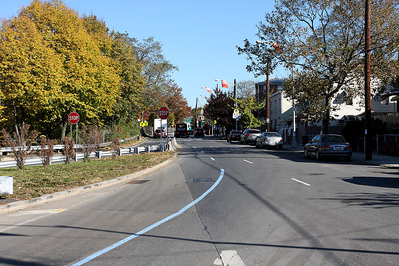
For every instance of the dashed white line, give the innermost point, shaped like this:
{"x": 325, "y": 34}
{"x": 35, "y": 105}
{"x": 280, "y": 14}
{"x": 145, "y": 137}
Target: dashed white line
{"x": 299, "y": 181}
{"x": 247, "y": 161}
{"x": 212, "y": 159}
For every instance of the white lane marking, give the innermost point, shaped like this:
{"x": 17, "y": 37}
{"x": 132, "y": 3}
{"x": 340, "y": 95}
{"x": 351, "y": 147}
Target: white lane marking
{"x": 45, "y": 212}
{"x": 38, "y": 212}
{"x": 230, "y": 258}
{"x": 299, "y": 181}
{"x": 212, "y": 159}
{"x": 170, "y": 217}
{"x": 248, "y": 161}
{"x": 202, "y": 152}
{"x": 194, "y": 147}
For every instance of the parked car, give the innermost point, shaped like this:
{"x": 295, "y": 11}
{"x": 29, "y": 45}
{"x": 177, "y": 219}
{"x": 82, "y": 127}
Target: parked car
{"x": 191, "y": 132}
{"x": 249, "y": 135}
{"x": 159, "y": 132}
{"x": 269, "y": 139}
{"x": 234, "y": 135}
{"x": 200, "y": 132}
{"x": 328, "y": 145}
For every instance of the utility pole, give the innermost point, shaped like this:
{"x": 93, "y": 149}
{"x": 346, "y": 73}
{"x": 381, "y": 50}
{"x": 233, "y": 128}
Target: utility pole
{"x": 367, "y": 130}
{"x": 196, "y": 104}
{"x": 267, "y": 95}
{"x": 235, "y": 98}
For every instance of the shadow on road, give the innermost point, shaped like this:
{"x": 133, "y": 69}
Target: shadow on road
{"x": 390, "y": 182}
{"x": 373, "y": 200}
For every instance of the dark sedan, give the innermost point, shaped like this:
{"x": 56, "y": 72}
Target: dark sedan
{"x": 328, "y": 145}
{"x": 200, "y": 132}
{"x": 234, "y": 135}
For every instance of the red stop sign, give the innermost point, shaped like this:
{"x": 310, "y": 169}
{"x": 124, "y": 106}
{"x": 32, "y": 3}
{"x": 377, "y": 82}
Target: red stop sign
{"x": 163, "y": 113}
{"x": 73, "y": 118}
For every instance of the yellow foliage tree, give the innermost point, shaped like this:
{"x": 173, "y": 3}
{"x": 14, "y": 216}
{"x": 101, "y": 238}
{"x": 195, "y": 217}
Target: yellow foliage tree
{"x": 78, "y": 75}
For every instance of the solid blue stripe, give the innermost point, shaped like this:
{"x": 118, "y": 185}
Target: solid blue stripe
{"x": 123, "y": 241}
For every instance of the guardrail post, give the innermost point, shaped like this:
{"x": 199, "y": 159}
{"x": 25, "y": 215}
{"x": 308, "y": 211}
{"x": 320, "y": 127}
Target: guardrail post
{"x": 98, "y": 154}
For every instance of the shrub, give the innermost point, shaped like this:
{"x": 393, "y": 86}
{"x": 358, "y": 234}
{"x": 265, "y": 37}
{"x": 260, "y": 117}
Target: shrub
{"x": 68, "y": 150}
{"x": 390, "y": 148}
{"x": 46, "y": 151}
{"x": 90, "y": 140}
{"x": 20, "y": 143}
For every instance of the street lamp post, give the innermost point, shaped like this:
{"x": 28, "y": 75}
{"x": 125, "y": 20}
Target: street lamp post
{"x": 235, "y": 95}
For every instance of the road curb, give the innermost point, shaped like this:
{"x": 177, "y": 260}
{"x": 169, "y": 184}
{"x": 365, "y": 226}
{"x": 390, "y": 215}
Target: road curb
{"x": 19, "y": 205}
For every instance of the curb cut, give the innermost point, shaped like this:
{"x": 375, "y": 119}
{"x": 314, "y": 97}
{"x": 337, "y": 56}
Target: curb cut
{"x": 19, "y": 205}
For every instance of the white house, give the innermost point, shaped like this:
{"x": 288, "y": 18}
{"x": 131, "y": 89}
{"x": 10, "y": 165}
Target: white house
{"x": 281, "y": 109}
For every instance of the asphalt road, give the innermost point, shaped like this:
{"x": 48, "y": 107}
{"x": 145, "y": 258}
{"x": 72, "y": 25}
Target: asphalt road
{"x": 252, "y": 207}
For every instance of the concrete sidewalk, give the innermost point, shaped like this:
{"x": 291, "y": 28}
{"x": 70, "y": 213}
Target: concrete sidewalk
{"x": 360, "y": 157}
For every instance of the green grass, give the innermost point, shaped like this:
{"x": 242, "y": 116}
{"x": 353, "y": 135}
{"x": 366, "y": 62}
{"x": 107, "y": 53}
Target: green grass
{"x": 36, "y": 181}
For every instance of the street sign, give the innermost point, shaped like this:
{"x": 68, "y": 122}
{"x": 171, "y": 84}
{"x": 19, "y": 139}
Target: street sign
{"x": 163, "y": 113}
{"x": 73, "y": 118}
{"x": 236, "y": 115}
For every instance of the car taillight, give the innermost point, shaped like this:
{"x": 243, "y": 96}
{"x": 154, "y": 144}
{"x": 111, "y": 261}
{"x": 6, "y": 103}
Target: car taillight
{"x": 349, "y": 147}
{"x": 248, "y": 135}
{"x": 326, "y": 147}
{"x": 266, "y": 139}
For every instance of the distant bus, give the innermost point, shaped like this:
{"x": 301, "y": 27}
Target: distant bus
{"x": 181, "y": 131}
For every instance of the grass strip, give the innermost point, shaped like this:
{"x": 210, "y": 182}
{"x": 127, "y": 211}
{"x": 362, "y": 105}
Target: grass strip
{"x": 35, "y": 181}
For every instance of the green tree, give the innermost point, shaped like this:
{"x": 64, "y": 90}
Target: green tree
{"x": 176, "y": 103}
{"x": 90, "y": 83}
{"x": 246, "y": 107}
{"x": 156, "y": 69}
{"x": 130, "y": 103}
{"x": 219, "y": 108}
{"x": 31, "y": 73}
{"x": 322, "y": 42}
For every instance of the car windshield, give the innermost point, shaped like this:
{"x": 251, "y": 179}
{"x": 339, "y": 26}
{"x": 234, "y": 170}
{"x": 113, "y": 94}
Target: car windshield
{"x": 333, "y": 139}
{"x": 272, "y": 134}
{"x": 253, "y": 131}
{"x": 235, "y": 132}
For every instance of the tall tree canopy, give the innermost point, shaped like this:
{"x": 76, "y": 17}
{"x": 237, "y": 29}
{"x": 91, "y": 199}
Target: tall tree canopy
{"x": 322, "y": 43}
{"x": 87, "y": 80}
{"x": 53, "y": 62}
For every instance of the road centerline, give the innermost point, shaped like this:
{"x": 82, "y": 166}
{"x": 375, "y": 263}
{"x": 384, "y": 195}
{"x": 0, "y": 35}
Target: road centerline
{"x": 170, "y": 217}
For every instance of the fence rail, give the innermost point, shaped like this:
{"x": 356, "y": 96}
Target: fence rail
{"x": 58, "y": 159}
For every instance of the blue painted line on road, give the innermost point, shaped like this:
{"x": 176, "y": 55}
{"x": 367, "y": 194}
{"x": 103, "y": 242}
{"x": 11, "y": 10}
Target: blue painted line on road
{"x": 123, "y": 241}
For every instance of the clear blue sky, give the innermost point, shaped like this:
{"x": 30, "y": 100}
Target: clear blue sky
{"x": 198, "y": 36}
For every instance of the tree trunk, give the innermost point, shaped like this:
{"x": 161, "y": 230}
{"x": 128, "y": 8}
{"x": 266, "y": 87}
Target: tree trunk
{"x": 326, "y": 118}
{"x": 64, "y": 126}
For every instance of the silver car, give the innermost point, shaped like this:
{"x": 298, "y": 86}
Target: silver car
{"x": 269, "y": 139}
{"x": 249, "y": 135}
